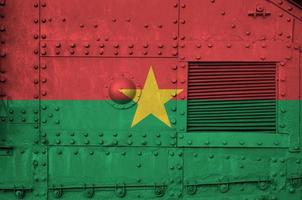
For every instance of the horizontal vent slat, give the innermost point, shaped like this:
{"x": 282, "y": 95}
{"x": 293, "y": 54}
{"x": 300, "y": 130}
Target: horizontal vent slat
{"x": 231, "y": 97}
{"x": 225, "y": 79}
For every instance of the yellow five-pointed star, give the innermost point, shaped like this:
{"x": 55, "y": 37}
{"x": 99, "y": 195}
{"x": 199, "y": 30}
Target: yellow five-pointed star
{"x": 152, "y": 100}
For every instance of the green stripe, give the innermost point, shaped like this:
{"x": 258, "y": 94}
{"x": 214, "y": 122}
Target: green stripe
{"x": 97, "y": 115}
{"x": 102, "y": 115}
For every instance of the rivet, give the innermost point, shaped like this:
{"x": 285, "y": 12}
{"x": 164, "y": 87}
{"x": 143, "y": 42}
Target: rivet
{"x": 36, "y": 81}
{"x": 36, "y": 51}
{"x": 160, "y": 46}
{"x": 43, "y": 52}
{"x": 146, "y": 45}
{"x": 71, "y": 51}
{"x": 116, "y": 45}
{"x": 174, "y": 80}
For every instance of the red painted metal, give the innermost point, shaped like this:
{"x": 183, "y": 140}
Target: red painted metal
{"x": 167, "y": 34}
{"x": 20, "y": 50}
{"x": 68, "y": 78}
{"x": 110, "y": 28}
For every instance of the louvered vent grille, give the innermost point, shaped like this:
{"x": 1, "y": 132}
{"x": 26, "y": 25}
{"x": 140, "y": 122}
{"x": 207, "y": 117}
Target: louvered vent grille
{"x": 232, "y": 97}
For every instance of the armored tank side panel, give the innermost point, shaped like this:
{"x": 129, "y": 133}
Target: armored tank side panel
{"x": 161, "y": 99}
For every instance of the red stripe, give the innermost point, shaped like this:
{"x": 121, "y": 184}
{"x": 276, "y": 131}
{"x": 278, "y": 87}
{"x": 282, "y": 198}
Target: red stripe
{"x": 86, "y": 79}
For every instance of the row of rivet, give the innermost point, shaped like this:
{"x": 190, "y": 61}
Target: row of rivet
{"x": 225, "y": 143}
{"x": 40, "y": 164}
{"x": 100, "y": 50}
{"x": 229, "y": 46}
{"x": 288, "y": 8}
{"x": 119, "y": 190}
{"x": 2, "y": 54}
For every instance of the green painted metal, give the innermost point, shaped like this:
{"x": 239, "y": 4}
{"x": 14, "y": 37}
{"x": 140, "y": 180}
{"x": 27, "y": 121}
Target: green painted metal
{"x": 74, "y": 160}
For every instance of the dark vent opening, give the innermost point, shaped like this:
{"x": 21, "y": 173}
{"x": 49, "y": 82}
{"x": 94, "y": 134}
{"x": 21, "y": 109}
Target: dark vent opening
{"x": 231, "y": 97}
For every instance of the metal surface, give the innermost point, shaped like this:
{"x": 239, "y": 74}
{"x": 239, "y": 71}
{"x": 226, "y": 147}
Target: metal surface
{"x": 76, "y": 75}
